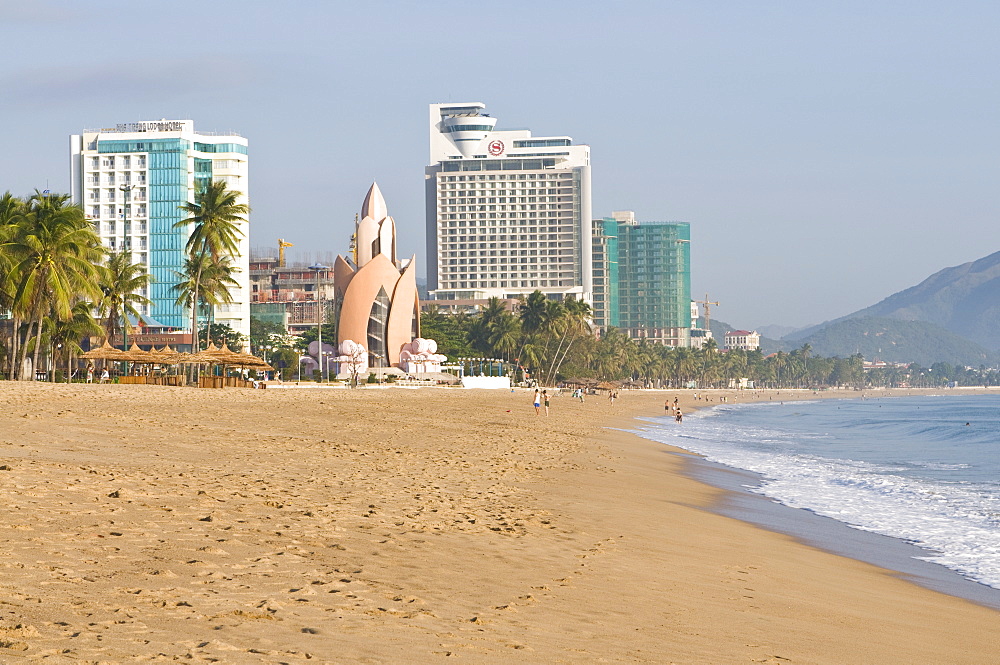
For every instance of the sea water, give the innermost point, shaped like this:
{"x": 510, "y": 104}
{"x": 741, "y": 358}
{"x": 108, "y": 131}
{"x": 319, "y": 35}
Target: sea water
{"x": 925, "y": 470}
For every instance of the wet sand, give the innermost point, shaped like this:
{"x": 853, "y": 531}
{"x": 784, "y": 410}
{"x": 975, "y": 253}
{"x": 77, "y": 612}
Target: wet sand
{"x": 155, "y": 524}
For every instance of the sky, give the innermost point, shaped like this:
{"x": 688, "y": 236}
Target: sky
{"x": 826, "y": 155}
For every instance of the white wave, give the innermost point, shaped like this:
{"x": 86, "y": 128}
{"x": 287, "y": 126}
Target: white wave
{"x": 958, "y": 523}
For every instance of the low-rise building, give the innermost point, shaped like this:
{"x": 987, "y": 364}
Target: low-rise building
{"x": 747, "y": 340}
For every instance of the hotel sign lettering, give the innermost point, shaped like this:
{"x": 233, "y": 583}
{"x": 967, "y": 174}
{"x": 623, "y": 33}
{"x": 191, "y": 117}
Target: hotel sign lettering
{"x": 175, "y": 338}
{"x": 160, "y": 126}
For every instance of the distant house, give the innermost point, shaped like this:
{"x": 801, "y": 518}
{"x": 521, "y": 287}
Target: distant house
{"x": 748, "y": 340}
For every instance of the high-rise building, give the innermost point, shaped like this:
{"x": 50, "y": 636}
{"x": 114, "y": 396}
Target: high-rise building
{"x": 507, "y": 213}
{"x": 642, "y": 278}
{"x": 131, "y": 180}
{"x": 604, "y": 305}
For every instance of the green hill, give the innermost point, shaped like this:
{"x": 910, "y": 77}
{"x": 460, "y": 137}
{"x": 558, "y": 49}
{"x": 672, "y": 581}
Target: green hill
{"x": 895, "y": 340}
{"x": 964, "y": 300}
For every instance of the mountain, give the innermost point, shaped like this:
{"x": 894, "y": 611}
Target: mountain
{"x": 964, "y": 300}
{"x": 777, "y": 332}
{"x": 883, "y": 338}
{"x": 895, "y": 340}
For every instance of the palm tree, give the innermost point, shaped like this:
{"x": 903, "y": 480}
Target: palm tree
{"x": 504, "y": 333}
{"x": 10, "y": 208}
{"x": 616, "y": 355}
{"x": 67, "y": 334}
{"x": 577, "y": 323}
{"x": 533, "y": 312}
{"x": 539, "y": 316}
{"x": 216, "y": 217}
{"x": 55, "y": 261}
{"x": 778, "y": 362}
{"x": 210, "y": 280}
{"x": 121, "y": 285}
{"x": 482, "y": 326}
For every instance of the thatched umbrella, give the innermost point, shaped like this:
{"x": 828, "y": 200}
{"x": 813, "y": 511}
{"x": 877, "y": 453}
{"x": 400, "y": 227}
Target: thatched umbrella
{"x": 137, "y": 355}
{"x": 104, "y": 352}
{"x": 168, "y": 356}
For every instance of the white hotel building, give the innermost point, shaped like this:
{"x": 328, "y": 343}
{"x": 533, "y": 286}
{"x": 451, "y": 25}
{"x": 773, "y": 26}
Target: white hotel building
{"x": 131, "y": 180}
{"x": 507, "y": 213}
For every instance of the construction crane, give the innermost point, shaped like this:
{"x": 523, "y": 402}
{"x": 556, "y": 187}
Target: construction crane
{"x": 281, "y": 251}
{"x": 708, "y": 312}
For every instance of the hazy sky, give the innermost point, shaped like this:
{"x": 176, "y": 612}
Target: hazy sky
{"x": 825, "y": 154}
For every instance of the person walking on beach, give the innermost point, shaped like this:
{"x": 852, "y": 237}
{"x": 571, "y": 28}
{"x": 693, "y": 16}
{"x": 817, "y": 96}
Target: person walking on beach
{"x": 538, "y": 402}
{"x": 545, "y": 396}
{"x": 90, "y": 373}
{"x": 678, "y": 417}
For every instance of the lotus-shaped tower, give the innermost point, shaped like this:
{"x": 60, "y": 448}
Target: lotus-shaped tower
{"x": 379, "y": 306}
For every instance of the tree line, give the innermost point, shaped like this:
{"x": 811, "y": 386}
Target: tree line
{"x": 552, "y": 341}
{"x": 59, "y": 284}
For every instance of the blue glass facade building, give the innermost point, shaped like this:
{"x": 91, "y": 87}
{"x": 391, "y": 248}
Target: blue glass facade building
{"x": 131, "y": 181}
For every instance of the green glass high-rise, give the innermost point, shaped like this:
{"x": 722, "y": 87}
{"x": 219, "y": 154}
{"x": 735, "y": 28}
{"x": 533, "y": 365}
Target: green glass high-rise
{"x": 642, "y": 278}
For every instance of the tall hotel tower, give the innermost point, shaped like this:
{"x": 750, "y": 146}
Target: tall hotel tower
{"x": 132, "y": 179}
{"x": 507, "y": 213}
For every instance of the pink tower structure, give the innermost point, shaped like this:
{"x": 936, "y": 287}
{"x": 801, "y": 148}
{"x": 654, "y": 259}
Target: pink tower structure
{"x": 379, "y": 305}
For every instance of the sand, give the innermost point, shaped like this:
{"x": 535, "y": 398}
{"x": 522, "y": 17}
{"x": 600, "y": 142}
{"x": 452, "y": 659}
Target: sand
{"x": 149, "y": 524}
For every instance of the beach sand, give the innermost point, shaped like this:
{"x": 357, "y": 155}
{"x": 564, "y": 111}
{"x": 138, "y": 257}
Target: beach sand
{"x": 152, "y": 524}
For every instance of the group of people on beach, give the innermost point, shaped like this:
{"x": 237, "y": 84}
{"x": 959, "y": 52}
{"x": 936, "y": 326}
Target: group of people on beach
{"x": 105, "y": 375}
{"x": 540, "y": 397}
{"x": 674, "y": 408}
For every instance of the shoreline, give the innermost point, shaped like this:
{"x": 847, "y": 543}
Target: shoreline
{"x": 828, "y": 534}
{"x": 151, "y": 524}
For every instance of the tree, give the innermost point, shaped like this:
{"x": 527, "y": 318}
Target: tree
{"x": 284, "y": 361}
{"x": 577, "y": 324}
{"x": 219, "y": 334}
{"x": 533, "y": 312}
{"x": 211, "y": 280}
{"x": 266, "y": 333}
{"x": 503, "y": 335}
{"x": 10, "y": 209}
{"x": 216, "y": 217}
{"x": 55, "y": 257}
{"x": 65, "y": 335}
{"x": 120, "y": 285}
{"x": 450, "y": 331}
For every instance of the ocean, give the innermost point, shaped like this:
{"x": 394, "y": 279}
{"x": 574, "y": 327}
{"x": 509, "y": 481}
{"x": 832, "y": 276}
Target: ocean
{"x": 921, "y": 470}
